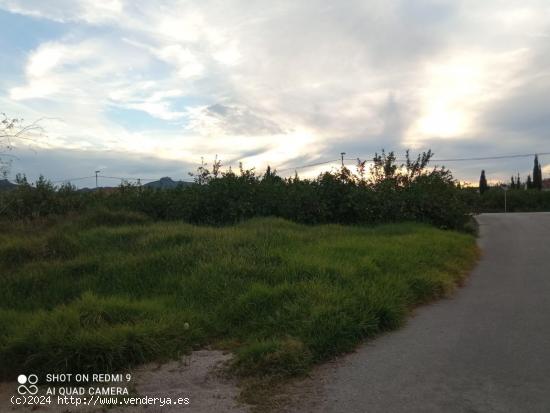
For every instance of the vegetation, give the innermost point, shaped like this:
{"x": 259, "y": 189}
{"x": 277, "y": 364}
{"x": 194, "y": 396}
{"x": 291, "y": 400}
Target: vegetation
{"x": 515, "y": 182}
{"x": 12, "y": 131}
{"x": 517, "y": 200}
{"x": 483, "y": 183}
{"x": 537, "y": 174}
{"x": 105, "y": 290}
{"x": 520, "y": 197}
{"x": 392, "y": 192}
{"x": 104, "y": 280}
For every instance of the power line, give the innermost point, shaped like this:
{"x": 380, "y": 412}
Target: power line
{"x": 307, "y": 165}
{"x": 369, "y": 159}
{"x": 120, "y": 178}
{"x": 136, "y": 179}
{"x": 72, "y": 179}
{"x": 127, "y": 179}
{"x": 310, "y": 165}
{"x": 487, "y": 158}
{"x": 484, "y": 158}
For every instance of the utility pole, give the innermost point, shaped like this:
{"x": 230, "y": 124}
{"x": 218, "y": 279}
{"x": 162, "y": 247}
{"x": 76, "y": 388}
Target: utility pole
{"x": 96, "y": 172}
{"x": 342, "y": 156}
{"x": 505, "y": 199}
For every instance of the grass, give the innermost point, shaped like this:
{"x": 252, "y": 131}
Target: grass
{"x": 78, "y": 297}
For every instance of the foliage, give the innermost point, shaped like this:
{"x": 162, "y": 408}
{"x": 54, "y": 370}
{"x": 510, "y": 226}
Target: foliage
{"x": 517, "y": 200}
{"x": 77, "y": 297}
{"x": 516, "y": 183}
{"x": 483, "y": 187}
{"x": 39, "y": 199}
{"x": 12, "y": 131}
{"x": 391, "y": 192}
{"x": 537, "y": 174}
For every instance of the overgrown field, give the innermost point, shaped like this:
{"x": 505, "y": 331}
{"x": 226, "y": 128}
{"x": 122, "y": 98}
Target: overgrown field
{"x": 78, "y": 297}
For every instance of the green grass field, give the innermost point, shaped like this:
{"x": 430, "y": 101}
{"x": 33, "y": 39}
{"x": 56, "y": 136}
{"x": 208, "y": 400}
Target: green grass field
{"x": 78, "y": 297}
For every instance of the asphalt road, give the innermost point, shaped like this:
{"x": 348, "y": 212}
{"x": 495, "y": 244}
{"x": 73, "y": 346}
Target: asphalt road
{"x": 486, "y": 349}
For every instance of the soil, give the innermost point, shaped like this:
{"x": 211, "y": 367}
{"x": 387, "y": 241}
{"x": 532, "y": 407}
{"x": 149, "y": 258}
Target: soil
{"x": 198, "y": 377}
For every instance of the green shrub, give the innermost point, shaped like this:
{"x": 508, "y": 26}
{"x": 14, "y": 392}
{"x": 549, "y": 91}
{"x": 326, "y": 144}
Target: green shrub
{"x": 393, "y": 193}
{"x": 102, "y": 216}
{"x": 517, "y": 200}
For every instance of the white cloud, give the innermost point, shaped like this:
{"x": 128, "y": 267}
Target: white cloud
{"x": 458, "y": 87}
{"x": 229, "y": 55}
{"x": 186, "y": 63}
{"x": 45, "y": 59}
{"x": 90, "y": 11}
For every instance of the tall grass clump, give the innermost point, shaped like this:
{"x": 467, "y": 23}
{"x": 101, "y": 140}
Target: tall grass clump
{"x": 78, "y": 297}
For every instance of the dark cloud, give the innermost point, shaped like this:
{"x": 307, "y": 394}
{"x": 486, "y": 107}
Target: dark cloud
{"x": 247, "y": 154}
{"x": 236, "y": 120}
{"x": 394, "y": 116}
{"x": 526, "y": 111}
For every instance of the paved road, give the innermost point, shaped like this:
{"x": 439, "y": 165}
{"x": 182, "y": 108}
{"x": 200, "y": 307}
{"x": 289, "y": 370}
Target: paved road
{"x": 487, "y": 349}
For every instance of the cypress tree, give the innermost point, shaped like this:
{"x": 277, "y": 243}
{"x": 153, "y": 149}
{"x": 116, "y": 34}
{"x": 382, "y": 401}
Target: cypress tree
{"x": 483, "y": 187}
{"x": 537, "y": 174}
{"x": 518, "y": 182}
{"x": 529, "y": 182}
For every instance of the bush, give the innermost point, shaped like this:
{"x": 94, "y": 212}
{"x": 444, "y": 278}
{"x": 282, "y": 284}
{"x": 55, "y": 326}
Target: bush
{"x": 517, "y": 200}
{"x": 394, "y": 192}
{"x": 103, "y": 216}
{"x": 31, "y": 201}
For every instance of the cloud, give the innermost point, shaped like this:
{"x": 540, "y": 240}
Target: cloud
{"x": 272, "y": 82}
{"x": 90, "y": 11}
{"x": 219, "y": 119}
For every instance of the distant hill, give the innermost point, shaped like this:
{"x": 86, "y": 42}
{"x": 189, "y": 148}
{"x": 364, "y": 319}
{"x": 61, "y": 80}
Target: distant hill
{"x": 163, "y": 183}
{"x": 166, "y": 183}
{"x": 6, "y": 185}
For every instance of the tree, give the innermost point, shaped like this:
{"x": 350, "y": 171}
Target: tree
{"x": 537, "y": 174}
{"x": 518, "y": 182}
{"x": 483, "y": 187}
{"x": 13, "y": 130}
{"x": 529, "y": 182}
{"x": 513, "y": 183}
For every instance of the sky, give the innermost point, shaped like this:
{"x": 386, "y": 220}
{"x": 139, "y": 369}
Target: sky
{"x": 146, "y": 88}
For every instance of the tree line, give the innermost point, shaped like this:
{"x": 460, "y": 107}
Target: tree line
{"x": 534, "y": 180}
{"x": 389, "y": 192}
